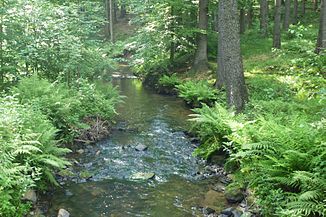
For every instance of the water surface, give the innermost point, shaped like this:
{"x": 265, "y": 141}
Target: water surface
{"x": 155, "y": 121}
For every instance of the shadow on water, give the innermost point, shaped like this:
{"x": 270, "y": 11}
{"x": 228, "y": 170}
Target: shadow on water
{"x": 145, "y": 118}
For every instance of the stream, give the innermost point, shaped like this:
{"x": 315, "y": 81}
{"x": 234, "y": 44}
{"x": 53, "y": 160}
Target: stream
{"x": 157, "y": 122}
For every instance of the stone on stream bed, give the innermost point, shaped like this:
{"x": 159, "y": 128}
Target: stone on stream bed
{"x": 66, "y": 173}
{"x": 63, "y": 213}
{"x": 85, "y": 175}
{"x": 31, "y": 196}
{"x": 142, "y": 176}
{"x": 141, "y": 147}
{"x": 234, "y": 193}
{"x": 231, "y": 212}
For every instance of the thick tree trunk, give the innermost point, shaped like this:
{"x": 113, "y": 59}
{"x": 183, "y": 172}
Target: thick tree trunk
{"x": 277, "y": 25}
{"x": 230, "y": 54}
{"x": 321, "y": 42}
{"x": 242, "y": 21}
{"x": 295, "y": 11}
{"x": 201, "y": 60}
{"x": 264, "y": 17}
{"x": 303, "y": 7}
{"x": 287, "y": 15}
{"x": 111, "y": 20}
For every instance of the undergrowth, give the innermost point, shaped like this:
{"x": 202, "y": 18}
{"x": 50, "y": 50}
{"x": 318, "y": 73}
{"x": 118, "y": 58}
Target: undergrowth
{"x": 34, "y": 120}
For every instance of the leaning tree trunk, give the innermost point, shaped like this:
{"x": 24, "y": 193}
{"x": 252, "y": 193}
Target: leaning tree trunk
{"x": 230, "y": 54}
{"x": 201, "y": 60}
{"x": 277, "y": 25}
{"x": 287, "y": 15}
{"x": 242, "y": 21}
{"x": 295, "y": 11}
{"x": 321, "y": 42}
{"x": 264, "y": 17}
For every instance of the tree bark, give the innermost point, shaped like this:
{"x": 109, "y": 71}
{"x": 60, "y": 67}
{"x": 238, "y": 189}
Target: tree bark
{"x": 230, "y": 54}
{"x": 295, "y": 12}
{"x": 264, "y": 17}
{"x": 287, "y": 15}
{"x": 201, "y": 60}
{"x": 321, "y": 42}
{"x": 111, "y": 20}
{"x": 277, "y": 25}
{"x": 242, "y": 21}
{"x": 315, "y": 5}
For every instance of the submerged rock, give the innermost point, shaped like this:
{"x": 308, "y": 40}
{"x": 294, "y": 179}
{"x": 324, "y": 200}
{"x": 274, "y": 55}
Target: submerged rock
{"x": 231, "y": 212}
{"x": 30, "y": 196}
{"x": 208, "y": 211}
{"x": 214, "y": 200}
{"x": 63, "y": 213}
{"x": 80, "y": 151}
{"x": 85, "y": 175}
{"x": 141, "y": 147}
{"x": 142, "y": 176}
{"x": 234, "y": 193}
{"x": 66, "y": 173}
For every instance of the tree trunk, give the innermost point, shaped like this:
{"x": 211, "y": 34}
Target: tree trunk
{"x": 250, "y": 16}
{"x": 115, "y": 9}
{"x": 242, "y": 21}
{"x": 201, "y": 60}
{"x": 315, "y": 5}
{"x": 1, "y": 53}
{"x": 111, "y": 20}
{"x": 123, "y": 11}
{"x": 215, "y": 22}
{"x": 321, "y": 42}
{"x": 303, "y": 7}
{"x": 295, "y": 11}
{"x": 277, "y": 25}
{"x": 230, "y": 54}
{"x": 287, "y": 15}
{"x": 107, "y": 20}
{"x": 264, "y": 17}
{"x": 172, "y": 45}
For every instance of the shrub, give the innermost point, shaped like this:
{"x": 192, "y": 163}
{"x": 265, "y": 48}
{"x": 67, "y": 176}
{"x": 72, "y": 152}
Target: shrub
{"x": 197, "y": 92}
{"x": 67, "y": 107}
{"x": 169, "y": 81}
{"x": 28, "y": 153}
{"x": 279, "y": 151}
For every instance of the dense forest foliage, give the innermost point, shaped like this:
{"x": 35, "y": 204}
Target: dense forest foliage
{"x": 252, "y": 71}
